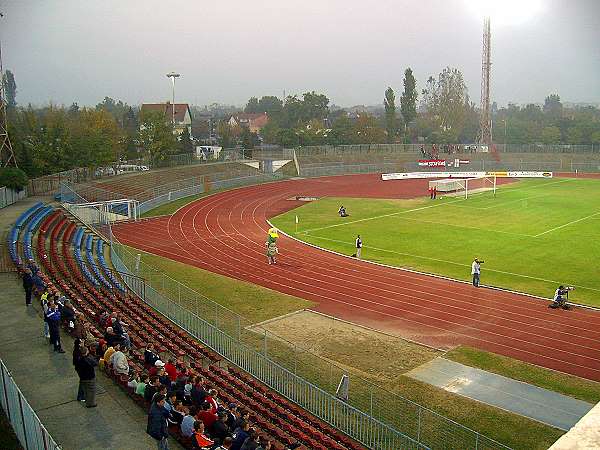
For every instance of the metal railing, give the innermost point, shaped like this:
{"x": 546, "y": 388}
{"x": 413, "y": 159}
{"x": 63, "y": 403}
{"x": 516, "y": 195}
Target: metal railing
{"x": 30, "y": 431}
{"x": 8, "y": 196}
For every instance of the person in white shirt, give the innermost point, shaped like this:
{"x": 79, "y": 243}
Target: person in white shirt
{"x": 476, "y": 271}
{"x": 561, "y": 296}
{"x": 358, "y": 246}
{"x": 119, "y": 363}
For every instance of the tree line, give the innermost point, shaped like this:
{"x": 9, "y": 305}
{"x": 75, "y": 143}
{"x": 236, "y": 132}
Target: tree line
{"x": 53, "y": 138}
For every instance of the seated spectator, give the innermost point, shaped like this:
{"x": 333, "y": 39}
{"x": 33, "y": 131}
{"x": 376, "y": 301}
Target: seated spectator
{"x": 171, "y": 370}
{"x": 198, "y": 392}
{"x": 176, "y": 413}
{"x": 103, "y": 319}
{"x": 118, "y": 361}
{"x": 232, "y": 415}
{"x": 158, "y": 364}
{"x": 251, "y": 441}
{"x": 264, "y": 443}
{"x": 134, "y": 379}
{"x": 179, "y": 386}
{"x": 220, "y": 430}
{"x": 151, "y": 388}
{"x": 111, "y": 338}
{"x": 243, "y": 417}
{"x": 67, "y": 313}
{"x": 199, "y": 439}
{"x": 109, "y": 352}
{"x": 240, "y": 434}
{"x": 187, "y": 423}
{"x": 213, "y": 399}
{"x": 162, "y": 390}
{"x": 118, "y": 328}
{"x": 163, "y": 377}
{"x": 141, "y": 386}
{"x": 187, "y": 391}
{"x": 207, "y": 415}
{"x": 150, "y": 356}
{"x": 226, "y": 444}
{"x": 170, "y": 402}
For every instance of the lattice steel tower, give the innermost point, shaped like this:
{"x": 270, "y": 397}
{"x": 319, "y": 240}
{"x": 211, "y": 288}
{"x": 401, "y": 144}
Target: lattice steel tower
{"x": 485, "y": 122}
{"x": 7, "y": 156}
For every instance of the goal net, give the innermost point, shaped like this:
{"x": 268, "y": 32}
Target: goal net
{"x": 465, "y": 186}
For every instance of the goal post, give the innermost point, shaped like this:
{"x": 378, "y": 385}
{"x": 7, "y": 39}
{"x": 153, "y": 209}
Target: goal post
{"x": 479, "y": 184}
{"x": 465, "y": 186}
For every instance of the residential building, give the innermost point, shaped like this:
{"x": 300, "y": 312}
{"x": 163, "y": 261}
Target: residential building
{"x": 183, "y": 115}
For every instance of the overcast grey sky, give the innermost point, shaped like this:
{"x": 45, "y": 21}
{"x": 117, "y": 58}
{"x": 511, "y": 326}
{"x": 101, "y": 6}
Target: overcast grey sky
{"x": 82, "y": 50}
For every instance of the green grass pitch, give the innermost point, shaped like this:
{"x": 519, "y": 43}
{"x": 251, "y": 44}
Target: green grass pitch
{"x": 533, "y": 235}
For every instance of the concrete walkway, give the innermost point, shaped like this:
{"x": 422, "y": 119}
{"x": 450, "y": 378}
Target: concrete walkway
{"x": 49, "y": 382}
{"x": 539, "y": 404}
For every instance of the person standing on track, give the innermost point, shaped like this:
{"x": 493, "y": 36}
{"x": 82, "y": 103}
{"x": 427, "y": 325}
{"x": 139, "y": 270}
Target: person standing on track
{"x": 476, "y": 271}
{"x": 271, "y": 243}
{"x": 358, "y": 246}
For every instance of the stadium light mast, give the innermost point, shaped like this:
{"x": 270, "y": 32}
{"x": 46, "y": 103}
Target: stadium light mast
{"x": 7, "y": 156}
{"x": 172, "y": 76}
{"x": 485, "y": 121}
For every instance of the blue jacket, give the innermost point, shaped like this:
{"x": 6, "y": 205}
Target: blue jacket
{"x": 157, "y": 422}
{"x": 53, "y": 315}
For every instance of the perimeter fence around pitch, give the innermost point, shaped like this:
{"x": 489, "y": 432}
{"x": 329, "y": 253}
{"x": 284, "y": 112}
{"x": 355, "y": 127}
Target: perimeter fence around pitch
{"x": 30, "y": 431}
{"x": 372, "y": 415}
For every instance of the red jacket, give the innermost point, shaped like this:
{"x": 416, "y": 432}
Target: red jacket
{"x": 208, "y": 418}
{"x": 171, "y": 371}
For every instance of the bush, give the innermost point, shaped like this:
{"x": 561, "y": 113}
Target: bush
{"x": 13, "y": 178}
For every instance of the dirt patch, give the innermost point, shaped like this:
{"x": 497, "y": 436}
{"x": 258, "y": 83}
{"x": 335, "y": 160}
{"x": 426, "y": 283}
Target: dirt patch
{"x": 374, "y": 354}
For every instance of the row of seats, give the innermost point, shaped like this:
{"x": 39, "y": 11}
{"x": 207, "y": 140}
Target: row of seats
{"x": 57, "y": 250}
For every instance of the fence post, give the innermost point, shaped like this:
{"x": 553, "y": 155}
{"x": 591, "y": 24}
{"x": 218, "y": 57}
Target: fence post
{"x": 216, "y": 315}
{"x": 419, "y": 425}
{"x": 265, "y": 343}
{"x": 476, "y": 440}
{"x": 23, "y": 421}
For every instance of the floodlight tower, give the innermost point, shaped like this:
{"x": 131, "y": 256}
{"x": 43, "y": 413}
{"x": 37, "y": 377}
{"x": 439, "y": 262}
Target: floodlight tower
{"x": 7, "y": 156}
{"x": 485, "y": 121}
{"x": 172, "y": 76}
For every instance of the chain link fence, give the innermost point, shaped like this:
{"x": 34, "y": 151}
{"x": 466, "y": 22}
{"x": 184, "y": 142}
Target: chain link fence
{"x": 30, "y": 431}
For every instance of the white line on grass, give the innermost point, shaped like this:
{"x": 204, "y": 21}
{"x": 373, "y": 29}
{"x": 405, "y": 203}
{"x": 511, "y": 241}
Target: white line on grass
{"x": 567, "y": 224}
{"x": 466, "y": 227}
{"x": 487, "y": 269}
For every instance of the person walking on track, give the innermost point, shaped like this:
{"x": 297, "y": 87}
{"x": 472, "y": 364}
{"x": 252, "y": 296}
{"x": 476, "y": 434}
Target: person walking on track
{"x": 358, "y": 246}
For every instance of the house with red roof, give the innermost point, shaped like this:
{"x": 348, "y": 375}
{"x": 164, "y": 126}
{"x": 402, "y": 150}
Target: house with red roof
{"x": 253, "y": 121}
{"x": 183, "y": 115}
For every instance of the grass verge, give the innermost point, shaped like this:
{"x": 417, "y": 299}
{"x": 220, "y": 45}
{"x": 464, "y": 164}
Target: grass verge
{"x": 570, "y": 385}
{"x": 171, "y": 207}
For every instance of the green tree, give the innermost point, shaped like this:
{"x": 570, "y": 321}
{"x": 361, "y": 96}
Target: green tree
{"x": 185, "y": 141}
{"x": 13, "y": 178}
{"x": 249, "y": 139}
{"x": 224, "y": 134}
{"x": 342, "y": 131}
{"x": 408, "y": 100}
{"x": 271, "y": 105}
{"x": 96, "y": 136}
{"x": 550, "y": 135}
{"x": 367, "y": 130}
{"x": 10, "y": 89}
{"x": 389, "y": 103}
{"x": 252, "y": 106}
{"x": 553, "y": 107}
{"x": 156, "y": 136}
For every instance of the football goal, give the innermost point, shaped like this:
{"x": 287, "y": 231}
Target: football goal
{"x": 465, "y": 186}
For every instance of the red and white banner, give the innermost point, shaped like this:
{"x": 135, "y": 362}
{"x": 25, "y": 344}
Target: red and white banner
{"x": 409, "y": 175}
{"x": 432, "y": 162}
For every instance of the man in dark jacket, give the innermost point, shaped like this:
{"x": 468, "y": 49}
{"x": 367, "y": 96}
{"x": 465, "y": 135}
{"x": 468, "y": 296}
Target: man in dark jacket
{"x": 157, "y": 422}
{"x": 220, "y": 429}
{"x": 28, "y": 286}
{"x": 84, "y": 365}
{"x": 53, "y": 320}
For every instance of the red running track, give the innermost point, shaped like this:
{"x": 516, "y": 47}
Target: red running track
{"x": 225, "y": 233}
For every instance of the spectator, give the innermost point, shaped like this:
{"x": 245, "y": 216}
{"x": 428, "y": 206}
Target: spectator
{"x": 162, "y": 390}
{"x": 109, "y": 352}
{"x": 118, "y": 329}
{"x": 199, "y": 439}
{"x": 141, "y": 386}
{"x": 240, "y": 435}
{"x": 77, "y": 354}
{"x": 157, "y": 422}
{"x": 187, "y": 423}
{"x": 158, "y": 364}
{"x": 134, "y": 379}
{"x": 212, "y": 398}
{"x": 232, "y": 415}
{"x": 53, "y": 318}
{"x": 179, "y": 386}
{"x": 87, "y": 377}
{"x": 171, "y": 370}
{"x": 251, "y": 441}
{"x": 244, "y": 416}
{"x": 207, "y": 415}
{"x": 28, "y": 286}
{"x": 67, "y": 313}
{"x": 111, "y": 337}
{"x": 44, "y": 302}
{"x": 170, "y": 402}
{"x": 163, "y": 377}
{"x": 187, "y": 391}
{"x": 150, "y": 357}
{"x": 176, "y": 413}
{"x": 198, "y": 393}
{"x": 151, "y": 388}
{"x": 264, "y": 443}
{"x": 118, "y": 361}
{"x": 220, "y": 430}
{"x": 226, "y": 445}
